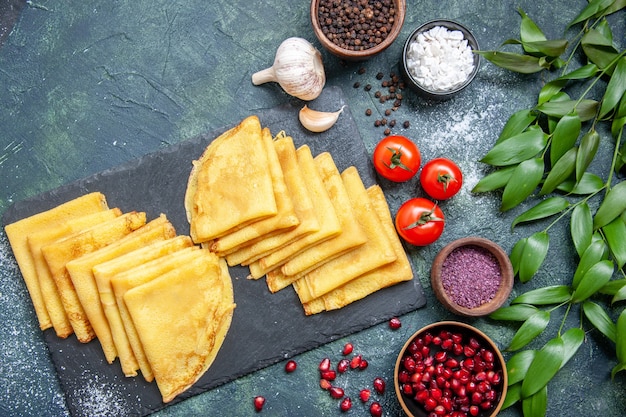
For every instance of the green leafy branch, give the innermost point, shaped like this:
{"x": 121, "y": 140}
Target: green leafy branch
{"x": 544, "y": 155}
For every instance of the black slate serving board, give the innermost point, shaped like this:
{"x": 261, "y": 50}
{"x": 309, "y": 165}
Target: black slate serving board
{"x": 266, "y": 328}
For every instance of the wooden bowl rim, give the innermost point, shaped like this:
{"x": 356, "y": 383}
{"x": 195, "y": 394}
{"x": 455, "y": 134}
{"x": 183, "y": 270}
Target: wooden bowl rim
{"x": 367, "y": 53}
{"x": 468, "y": 327}
{"x": 506, "y": 270}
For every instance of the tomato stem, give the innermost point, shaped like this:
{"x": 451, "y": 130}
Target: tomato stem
{"x": 425, "y": 217}
{"x": 396, "y": 159}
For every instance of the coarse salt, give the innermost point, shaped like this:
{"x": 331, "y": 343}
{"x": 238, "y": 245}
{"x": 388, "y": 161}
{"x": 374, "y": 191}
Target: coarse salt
{"x": 440, "y": 59}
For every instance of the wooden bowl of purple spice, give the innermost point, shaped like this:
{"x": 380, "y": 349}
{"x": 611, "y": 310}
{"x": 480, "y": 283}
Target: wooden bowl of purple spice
{"x": 472, "y": 276}
{"x": 356, "y": 30}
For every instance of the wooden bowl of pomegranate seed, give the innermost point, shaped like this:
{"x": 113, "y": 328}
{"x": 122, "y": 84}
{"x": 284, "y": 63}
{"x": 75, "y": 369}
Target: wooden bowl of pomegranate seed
{"x": 472, "y": 276}
{"x": 450, "y": 368}
{"x": 356, "y": 31}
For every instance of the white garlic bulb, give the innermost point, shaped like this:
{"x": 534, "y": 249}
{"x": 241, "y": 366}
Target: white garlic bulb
{"x": 298, "y": 68}
{"x": 318, "y": 121}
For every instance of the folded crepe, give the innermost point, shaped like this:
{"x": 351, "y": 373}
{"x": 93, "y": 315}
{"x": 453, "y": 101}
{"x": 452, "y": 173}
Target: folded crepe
{"x": 230, "y": 186}
{"x": 103, "y": 274}
{"x": 81, "y": 274}
{"x": 49, "y": 290}
{"x": 18, "y": 233}
{"x": 376, "y": 252}
{"x": 303, "y": 206}
{"x": 59, "y": 253}
{"x": 324, "y": 210}
{"x": 382, "y": 277}
{"x": 182, "y": 318}
{"x": 285, "y": 218}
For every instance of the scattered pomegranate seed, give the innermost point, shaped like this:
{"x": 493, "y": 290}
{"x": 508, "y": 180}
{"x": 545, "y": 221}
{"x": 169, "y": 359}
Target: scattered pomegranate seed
{"x": 347, "y": 349}
{"x": 336, "y": 392}
{"x": 376, "y": 410}
{"x": 343, "y": 366}
{"x": 395, "y": 323}
{"x": 364, "y": 395}
{"x": 324, "y": 365}
{"x": 345, "y": 404}
{"x": 259, "y": 402}
{"x": 290, "y": 366}
{"x": 325, "y": 384}
{"x": 363, "y": 364}
{"x": 329, "y": 375}
{"x": 355, "y": 362}
{"x": 379, "y": 385}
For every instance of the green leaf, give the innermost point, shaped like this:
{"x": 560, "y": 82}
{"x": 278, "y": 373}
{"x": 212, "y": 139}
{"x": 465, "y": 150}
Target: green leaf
{"x": 516, "y": 124}
{"x": 516, "y": 254}
{"x": 619, "y": 295}
{"x": 517, "y": 148}
{"x": 551, "y": 48}
{"x": 599, "y": 49}
{"x": 564, "y": 136}
{"x": 615, "y": 89}
{"x": 524, "y": 64}
{"x": 523, "y": 182}
{"x": 595, "y": 252}
{"x": 615, "y": 235}
{"x": 552, "y": 294}
{"x": 600, "y": 319}
{"x": 616, "y": 6}
{"x": 613, "y": 205}
{"x": 517, "y": 312}
{"x": 620, "y": 340}
{"x": 535, "y": 251}
{"x": 553, "y": 87}
{"x": 586, "y": 109}
{"x": 581, "y": 227}
{"x": 572, "y": 340}
{"x": 586, "y": 152}
{"x": 613, "y": 287}
{"x": 544, "y": 366}
{"x": 537, "y": 404}
{"x": 593, "y": 8}
{"x": 517, "y": 365}
{"x": 495, "y": 180}
{"x": 560, "y": 172}
{"x": 588, "y": 184}
{"x": 529, "y": 31}
{"x": 541, "y": 210}
{"x": 617, "y": 368}
{"x": 594, "y": 279}
{"x": 529, "y": 330}
{"x": 513, "y": 395}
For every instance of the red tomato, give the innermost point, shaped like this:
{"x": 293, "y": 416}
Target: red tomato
{"x": 441, "y": 178}
{"x": 397, "y": 158}
{"x": 420, "y": 221}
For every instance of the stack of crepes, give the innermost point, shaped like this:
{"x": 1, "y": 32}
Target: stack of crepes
{"x": 293, "y": 218}
{"x": 96, "y": 272}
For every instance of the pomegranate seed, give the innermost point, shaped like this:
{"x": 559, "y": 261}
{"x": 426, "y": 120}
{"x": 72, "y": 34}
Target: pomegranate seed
{"x": 436, "y": 340}
{"x": 428, "y": 339}
{"x": 343, "y": 366}
{"x": 430, "y": 404}
{"x": 379, "y": 385}
{"x": 487, "y": 355}
{"x": 436, "y": 394}
{"x": 336, "y": 392}
{"x": 447, "y": 344}
{"x": 363, "y": 364}
{"x": 329, "y": 375}
{"x": 407, "y": 389}
{"x": 259, "y": 402}
{"x": 439, "y": 410}
{"x": 485, "y": 405}
{"x": 365, "y": 394}
{"x": 355, "y": 362}
{"x": 452, "y": 363}
{"x": 290, "y": 366}
{"x": 474, "y": 410}
{"x": 409, "y": 364}
{"x": 395, "y": 323}
{"x": 325, "y": 384}
{"x": 345, "y": 404}
{"x": 376, "y": 410}
{"x": 457, "y": 337}
{"x": 347, "y": 349}
{"x": 324, "y": 365}
{"x": 441, "y": 356}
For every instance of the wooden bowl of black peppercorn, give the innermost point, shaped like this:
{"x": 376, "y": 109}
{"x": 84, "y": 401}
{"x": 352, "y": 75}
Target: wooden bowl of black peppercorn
{"x": 359, "y": 29}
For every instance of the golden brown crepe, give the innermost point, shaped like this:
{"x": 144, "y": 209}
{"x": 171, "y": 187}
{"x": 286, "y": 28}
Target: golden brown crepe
{"x": 385, "y": 276}
{"x": 182, "y": 318}
{"x": 303, "y": 206}
{"x": 125, "y": 280}
{"x": 59, "y": 253}
{"x": 103, "y": 274}
{"x": 53, "y": 232}
{"x": 232, "y": 187}
{"x": 376, "y": 252}
{"x": 324, "y": 210}
{"x": 81, "y": 274}
{"x": 285, "y": 218}
{"x": 18, "y": 233}
{"x": 352, "y": 234}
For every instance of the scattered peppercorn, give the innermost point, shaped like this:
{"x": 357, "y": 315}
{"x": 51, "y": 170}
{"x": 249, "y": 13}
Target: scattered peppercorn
{"x": 406, "y": 124}
{"x": 362, "y": 70}
{"x": 357, "y": 84}
{"x": 387, "y": 112}
{"x": 368, "y": 87}
{"x": 380, "y": 76}
{"x": 368, "y": 112}
{"x": 387, "y": 132}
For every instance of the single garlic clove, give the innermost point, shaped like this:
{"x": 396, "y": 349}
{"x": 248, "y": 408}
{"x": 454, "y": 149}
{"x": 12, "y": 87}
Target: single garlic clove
{"x": 318, "y": 121}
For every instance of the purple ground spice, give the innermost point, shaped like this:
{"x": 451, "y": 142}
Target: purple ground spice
{"x": 471, "y": 276}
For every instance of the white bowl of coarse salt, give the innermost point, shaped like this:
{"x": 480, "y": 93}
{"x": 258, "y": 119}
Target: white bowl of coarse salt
{"x": 438, "y": 59}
